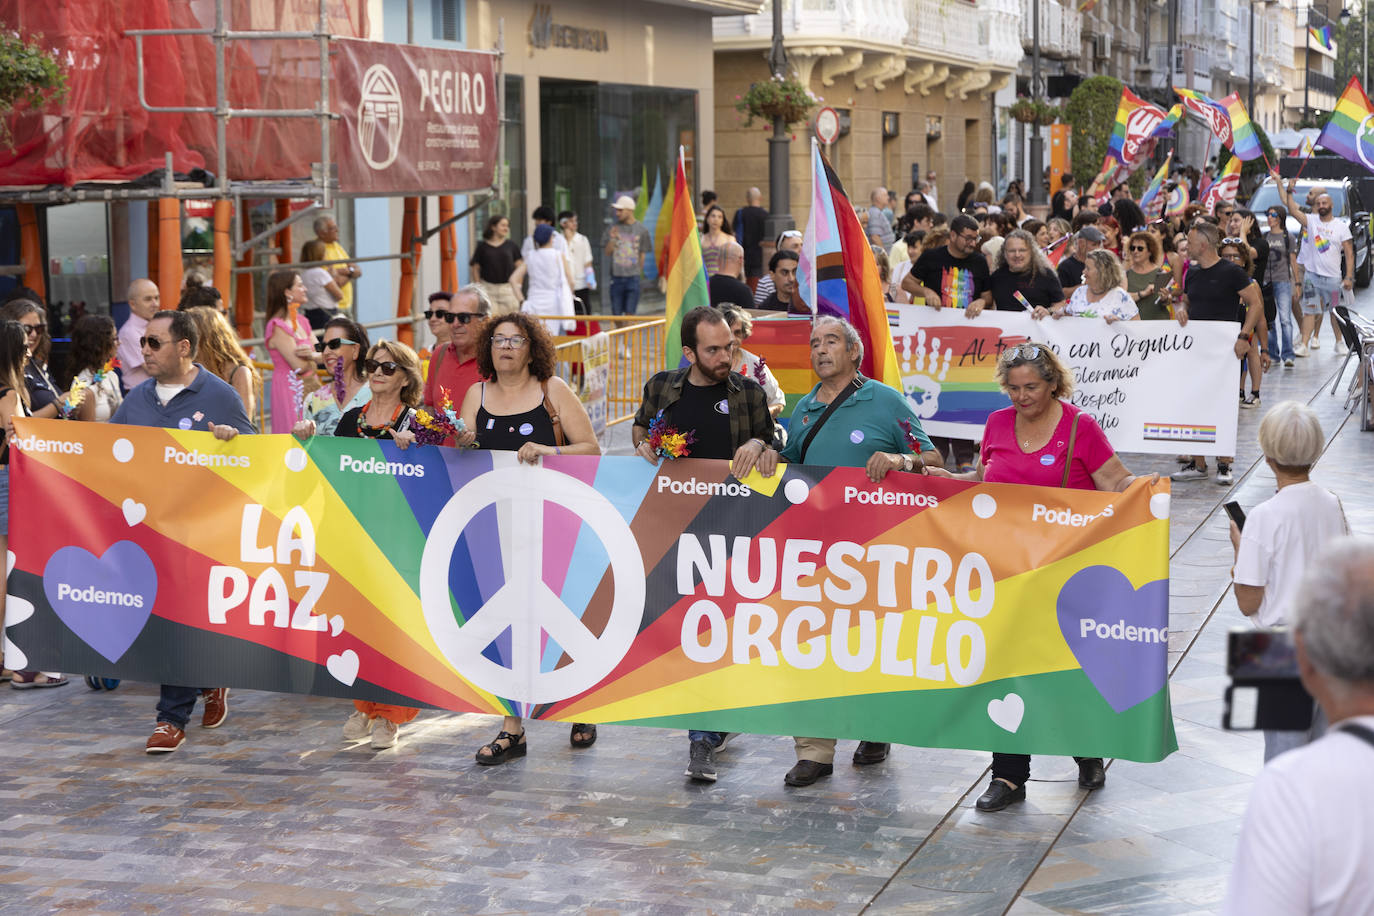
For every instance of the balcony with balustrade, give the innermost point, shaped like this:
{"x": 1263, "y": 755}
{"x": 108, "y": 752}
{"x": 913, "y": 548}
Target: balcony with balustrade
{"x": 1061, "y": 29}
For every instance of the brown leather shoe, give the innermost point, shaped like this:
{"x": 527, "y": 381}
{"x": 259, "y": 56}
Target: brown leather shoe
{"x": 806, "y": 772}
{"x": 165, "y": 739}
{"x": 216, "y": 707}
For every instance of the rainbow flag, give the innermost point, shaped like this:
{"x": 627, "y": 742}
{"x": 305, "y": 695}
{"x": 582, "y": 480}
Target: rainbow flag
{"x": 1244, "y": 141}
{"x": 1166, "y": 127}
{"x": 1342, "y": 134}
{"x": 1110, "y": 166}
{"x": 838, "y": 276}
{"x": 1225, "y": 187}
{"x": 1152, "y": 202}
{"x": 1212, "y": 112}
{"x": 686, "y": 274}
{"x": 1055, "y": 250}
{"x": 1178, "y": 200}
{"x": 1321, "y": 36}
{"x": 785, "y": 343}
{"x": 1136, "y": 121}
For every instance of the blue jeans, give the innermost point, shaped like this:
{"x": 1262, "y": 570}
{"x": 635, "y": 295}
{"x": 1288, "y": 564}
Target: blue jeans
{"x": 1281, "y": 345}
{"x": 176, "y": 703}
{"x": 624, "y": 295}
{"x": 712, "y": 738}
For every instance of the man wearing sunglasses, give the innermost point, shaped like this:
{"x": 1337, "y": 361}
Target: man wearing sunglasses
{"x": 143, "y": 303}
{"x": 453, "y": 365}
{"x": 181, "y": 394}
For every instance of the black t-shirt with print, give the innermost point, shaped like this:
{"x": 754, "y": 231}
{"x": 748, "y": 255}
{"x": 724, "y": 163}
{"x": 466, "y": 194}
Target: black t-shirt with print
{"x": 1039, "y": 288}
{"x": 705, "y": 411}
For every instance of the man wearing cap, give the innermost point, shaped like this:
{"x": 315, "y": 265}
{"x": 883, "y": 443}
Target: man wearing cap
{"x": 627, "y": 244}
{"x": 1071, "y": 268}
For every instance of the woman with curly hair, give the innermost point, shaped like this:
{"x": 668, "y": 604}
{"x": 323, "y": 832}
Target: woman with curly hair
{"x": 94, "y": 343}
{"x": 523, "y": 407}
{"x": 221, "y": 353}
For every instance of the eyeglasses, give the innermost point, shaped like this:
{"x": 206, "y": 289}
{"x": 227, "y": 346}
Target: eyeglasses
{"x": 508, "y": 343}
{"x": 35, "y": 329}
{"x": 152, "y": 343}
{"x": 388, "y": 368}
{"x": 1029, "y": 352}
{"x": 966, "y": 236}
{"x": 322, "y": 345}
{"x": 1234, "y": 256}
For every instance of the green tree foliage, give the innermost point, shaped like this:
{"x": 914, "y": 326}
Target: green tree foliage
{"x": 1091, "y": 110}
{"x": 29, "y": 75}
{"x": 1253, "y": 173}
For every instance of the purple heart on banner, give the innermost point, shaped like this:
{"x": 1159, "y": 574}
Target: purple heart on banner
{"x": 105, "y": 601}
{"x": 1118, "y": 634}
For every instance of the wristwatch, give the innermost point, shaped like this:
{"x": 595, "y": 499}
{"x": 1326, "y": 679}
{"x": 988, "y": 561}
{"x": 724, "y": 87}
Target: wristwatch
{"x": 907, "y": 461}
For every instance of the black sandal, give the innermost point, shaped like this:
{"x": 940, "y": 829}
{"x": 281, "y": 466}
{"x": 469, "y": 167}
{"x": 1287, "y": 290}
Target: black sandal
{"x": 515, "y": 747}
{"x": 588, "y": 733}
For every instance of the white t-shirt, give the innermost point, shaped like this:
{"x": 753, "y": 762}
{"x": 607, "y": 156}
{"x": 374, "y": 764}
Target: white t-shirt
{"x": 106, "y": 393}
{"x": 1117, "y": 303}
{"x": 1325, "y": 240}
{"x": 579, "y": 258}
{"x": 1282, "y": 537}
{"x": 1308, "y": 837}
{"x": 317, "y": 297}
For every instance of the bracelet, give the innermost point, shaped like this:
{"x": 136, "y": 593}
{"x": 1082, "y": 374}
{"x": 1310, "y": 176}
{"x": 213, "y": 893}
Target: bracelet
{"x": 1242, "y": 337}
{"x": 557, "y": 450}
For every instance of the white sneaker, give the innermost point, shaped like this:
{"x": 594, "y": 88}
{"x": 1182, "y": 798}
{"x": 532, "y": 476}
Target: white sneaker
{"x": 1224, "y": 474}
{"x": 1189, "y": 471}
{"x": 1300, "y": 350}
{"x": 1316, "y": 344}
{"x": 384, "y": 735}
{"x": 1341, "y": 348}
{"x": 358, "y": 726}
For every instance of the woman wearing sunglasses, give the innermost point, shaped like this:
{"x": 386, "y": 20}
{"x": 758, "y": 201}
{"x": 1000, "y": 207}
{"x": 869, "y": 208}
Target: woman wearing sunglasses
{"x": 44, "y": 398}
{"x": 1041, "y": 440}
{"x": 343, "y": 345}
{"x": 523, "y": 407}
{"x": 438, "y": 318}
{"x": 289, "y": 341}
{"x": 1147, "y": 276}
{"x": 393, "y": 372}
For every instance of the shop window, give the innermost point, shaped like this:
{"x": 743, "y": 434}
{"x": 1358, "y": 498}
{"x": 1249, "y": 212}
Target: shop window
{"x": 447, "y": 17}
{"x": 510, "y": 175}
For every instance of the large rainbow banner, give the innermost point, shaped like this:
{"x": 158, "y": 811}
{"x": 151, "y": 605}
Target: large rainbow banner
{"x": 919, "y": 610}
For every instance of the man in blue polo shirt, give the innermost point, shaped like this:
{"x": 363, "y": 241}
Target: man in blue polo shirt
{"x": 873, "y": 427}
{"x": 181, "y": 394}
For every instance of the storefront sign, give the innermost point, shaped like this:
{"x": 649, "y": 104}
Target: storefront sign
{"x": 926, "y": 611}
{"x": 545, "y": 33}
{"x": 1152, "y": 386}
{"x": 414, "y": 120}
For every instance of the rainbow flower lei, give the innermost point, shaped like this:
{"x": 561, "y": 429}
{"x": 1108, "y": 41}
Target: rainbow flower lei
{"x": 667, "y": 441}
{"x": 440, "y": 425}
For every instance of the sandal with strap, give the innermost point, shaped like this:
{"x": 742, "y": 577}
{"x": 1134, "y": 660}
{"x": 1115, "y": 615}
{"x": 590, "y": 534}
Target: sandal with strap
{"x": 587, "y": 733}
{"x": 26, "y": 680}
{"x": 515, "y": 747}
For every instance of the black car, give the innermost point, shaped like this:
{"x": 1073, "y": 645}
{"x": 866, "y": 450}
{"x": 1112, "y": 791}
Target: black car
{"x": 1346, "y": 205}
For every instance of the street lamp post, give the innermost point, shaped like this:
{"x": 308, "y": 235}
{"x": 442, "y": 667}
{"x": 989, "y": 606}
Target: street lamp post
{"x": 1036, "y": 180}
{"x": 1250, "y": 98}
{"x": 779, "y": 168}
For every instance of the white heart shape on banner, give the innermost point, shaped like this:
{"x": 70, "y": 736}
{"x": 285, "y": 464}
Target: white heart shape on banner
{"x": 1007, "y": 712}
{"x": 336, "y": 625}
{"x": 344, "y": 667}
{"x": 17, "y": 610}
{"x": 134, "y": 512}
{"x": 15, "y": 656}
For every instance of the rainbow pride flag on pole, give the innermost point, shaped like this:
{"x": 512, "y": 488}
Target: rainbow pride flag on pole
{"x": 685, "y": 272}
{"x": 1152, "y": 202}
{"x": 838, "y": 275}
{"x": 1211, "y": 112}
{"x": 1321, "y": 36}
{"x": 1224, "y": 189}
{"x": 1166, "y": 127}
{"x": 1136, "y": 122}
{"x": 1342, "y": 134}
{"x": 1244, "y": 141}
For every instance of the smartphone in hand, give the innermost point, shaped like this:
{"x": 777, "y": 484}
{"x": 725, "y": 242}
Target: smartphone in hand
{"x": 1237, "y": 514}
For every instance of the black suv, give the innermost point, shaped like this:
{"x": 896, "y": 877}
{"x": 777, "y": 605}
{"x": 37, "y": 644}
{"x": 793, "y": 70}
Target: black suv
{"x": 1345, "y": 205}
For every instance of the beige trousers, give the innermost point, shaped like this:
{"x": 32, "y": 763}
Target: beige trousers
{"x": 821, "y": 750}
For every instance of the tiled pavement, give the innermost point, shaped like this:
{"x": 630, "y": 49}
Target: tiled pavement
{"x": 271, "y": 814}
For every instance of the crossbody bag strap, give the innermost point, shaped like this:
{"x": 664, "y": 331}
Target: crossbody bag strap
{"x": 559, "y": 439}
{"x": 839, "y": 399}
{"x": 1359, "y": 731}
{"x": 1068, "y": 457}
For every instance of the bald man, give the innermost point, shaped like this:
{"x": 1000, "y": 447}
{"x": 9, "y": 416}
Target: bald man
{"x": 725, "y": 286}
{"x": 750, "y": 224}
{"x": 143, "y": 304}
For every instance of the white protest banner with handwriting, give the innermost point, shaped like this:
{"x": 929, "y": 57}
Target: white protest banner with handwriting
{"x": 1153, "y": 386}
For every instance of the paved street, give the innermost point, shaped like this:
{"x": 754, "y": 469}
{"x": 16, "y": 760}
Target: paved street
{"x": 272, "y": 814}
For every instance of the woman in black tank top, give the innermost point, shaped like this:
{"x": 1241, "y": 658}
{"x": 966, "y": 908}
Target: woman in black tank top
{"x": 524, "y": 408}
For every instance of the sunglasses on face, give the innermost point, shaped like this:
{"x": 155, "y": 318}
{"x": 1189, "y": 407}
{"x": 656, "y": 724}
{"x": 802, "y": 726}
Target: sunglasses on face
{"x": 152, "y": 343}
{"x": 322, "y": 345}
{"x": 1272, "y": 215}
{"x": 1137, "y": 247}
{"x": 388, "y": 368}
{"x": 34, "y": 329}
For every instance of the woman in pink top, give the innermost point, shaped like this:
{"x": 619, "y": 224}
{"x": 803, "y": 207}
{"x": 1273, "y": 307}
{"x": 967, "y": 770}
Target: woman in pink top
{"x": 290, "y": 343}
{"x": 1029, "y": 443}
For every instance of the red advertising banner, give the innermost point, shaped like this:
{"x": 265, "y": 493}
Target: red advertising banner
{"x": 414, "y": 120}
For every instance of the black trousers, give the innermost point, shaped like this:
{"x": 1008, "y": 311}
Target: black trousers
{"x": 1015, "y": 768}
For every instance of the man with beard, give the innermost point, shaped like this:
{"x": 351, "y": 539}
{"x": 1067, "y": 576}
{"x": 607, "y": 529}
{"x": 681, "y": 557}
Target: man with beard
{"x": 728, "y": 416}
{"x": 1326, "y": 242}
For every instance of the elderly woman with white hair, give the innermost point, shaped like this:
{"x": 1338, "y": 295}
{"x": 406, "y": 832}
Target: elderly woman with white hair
{"x": 1284, "y": 534}
{"x": 1103, "y": 293}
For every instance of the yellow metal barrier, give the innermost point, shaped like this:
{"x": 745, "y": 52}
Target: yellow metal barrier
{"x": 636, "y": 345}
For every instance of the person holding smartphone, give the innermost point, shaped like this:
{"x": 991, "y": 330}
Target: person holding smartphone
{"x": 1285, "y": 534}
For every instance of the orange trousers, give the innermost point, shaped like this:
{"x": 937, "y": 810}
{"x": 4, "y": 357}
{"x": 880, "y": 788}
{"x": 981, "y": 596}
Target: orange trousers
{"x": 398, "y": 714}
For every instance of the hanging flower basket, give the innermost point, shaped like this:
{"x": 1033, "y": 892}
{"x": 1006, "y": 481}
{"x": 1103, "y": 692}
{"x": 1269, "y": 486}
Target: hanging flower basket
{"x": 776, "y": 98}
{"x": 1023, "y": 109}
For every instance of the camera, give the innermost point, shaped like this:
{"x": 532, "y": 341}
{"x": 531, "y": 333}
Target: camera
{"x": 1265, "y": 691}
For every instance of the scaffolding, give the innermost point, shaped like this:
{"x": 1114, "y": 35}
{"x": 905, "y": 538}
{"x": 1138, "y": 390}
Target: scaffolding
{"x": 234, "y": 242}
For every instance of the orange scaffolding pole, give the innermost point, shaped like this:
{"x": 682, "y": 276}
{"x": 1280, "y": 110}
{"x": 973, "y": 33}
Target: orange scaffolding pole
{"x": 153, "y": 231}
{"x": 243, "y": 285}
{"x": 169, "y": 266}
{"x": 283, "y": 211}
{"x": 223, "y": 255}
{"x": 448, "y": 246}
{"x": 31, "y": 249}
{"x": 410, "y": 228}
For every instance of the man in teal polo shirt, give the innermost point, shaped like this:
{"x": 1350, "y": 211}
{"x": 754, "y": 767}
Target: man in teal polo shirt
{"x": 873, "y": 428}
